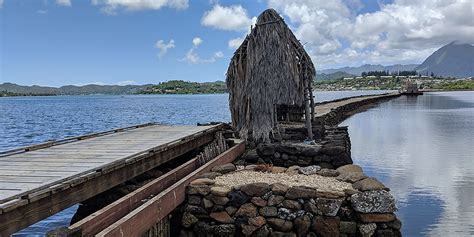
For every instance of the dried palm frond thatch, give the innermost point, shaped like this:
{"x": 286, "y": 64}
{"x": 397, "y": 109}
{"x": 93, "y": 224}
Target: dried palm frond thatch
{"x": 270, "y": 68}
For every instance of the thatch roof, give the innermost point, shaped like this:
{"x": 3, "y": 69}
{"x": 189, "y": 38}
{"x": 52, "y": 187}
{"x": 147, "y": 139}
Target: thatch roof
{"x": 270, "y": 68}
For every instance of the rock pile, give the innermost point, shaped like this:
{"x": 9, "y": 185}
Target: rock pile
{"x": 233, "y": 201}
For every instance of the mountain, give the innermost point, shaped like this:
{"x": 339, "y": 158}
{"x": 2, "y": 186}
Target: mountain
{"x": 332, "y": 76}
{"x": 70, "y": 90}
{"x": 371, "y": 67}
{"x": 452, "y": 60}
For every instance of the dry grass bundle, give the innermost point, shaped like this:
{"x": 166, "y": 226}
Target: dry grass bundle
{"x": 270, "y": 68}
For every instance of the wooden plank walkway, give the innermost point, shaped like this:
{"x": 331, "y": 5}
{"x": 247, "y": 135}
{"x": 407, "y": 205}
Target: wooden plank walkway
{"x": 72, "y": 172}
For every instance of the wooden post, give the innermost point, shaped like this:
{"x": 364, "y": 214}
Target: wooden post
{"x": 308, "y": 119}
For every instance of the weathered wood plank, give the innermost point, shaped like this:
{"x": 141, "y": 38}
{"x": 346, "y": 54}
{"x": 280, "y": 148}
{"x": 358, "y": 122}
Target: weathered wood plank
{"x": 144, "y": 217}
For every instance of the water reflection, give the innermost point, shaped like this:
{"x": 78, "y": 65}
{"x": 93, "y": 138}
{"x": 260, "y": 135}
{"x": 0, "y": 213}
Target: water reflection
{"x": 422, "y": 148}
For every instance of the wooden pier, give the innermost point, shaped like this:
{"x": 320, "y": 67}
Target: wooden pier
{"x": 38, "y": 181}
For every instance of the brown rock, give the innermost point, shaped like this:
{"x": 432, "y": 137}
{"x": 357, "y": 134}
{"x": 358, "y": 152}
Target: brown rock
{"x": 247, "y": 210}
{"x": 189, "y": 219}
{"x": 222, "y": 217}
{"x": 223, "y": 169}
{"x": 231, "y": 210}
{"x": 349, "y": 168}
{"x": 257, "y": 221}
{"x": 302, "y": 225}
{"x": 369, "y": 184}
{"x": 351, "y": 177}
{"x": 218, "y": 200}
{"x": 198, "y": 189}
{"x": 328, "y": 172}
{"x": 258, "y": 201}
{"x": 248, "y": 230}
{"x": 279, "y": 189}
{"x": 210, "y": 175}
{"x": 301, "y": 192}
{"x": 280, "y": 224}
{"x": 275, "y": 200}
{"x": 255, "y": 189}
{"x": 278, "y": 169}
{"x": 262, "y": 232}
{"x": 282, "y": 234}
{"x": 376, "y": 217}
{"x": 330, "y": 194}
{"x": 291, "y": 204}
{"x": 203, "y": 181}
{"x": 221, "y": 191}
{"x": 328, "y": 227}
{"x": 268, "y": 211}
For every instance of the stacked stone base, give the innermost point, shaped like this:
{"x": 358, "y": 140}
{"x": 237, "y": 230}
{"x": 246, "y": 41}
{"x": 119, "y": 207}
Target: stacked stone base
{"x": 262, "y": 209}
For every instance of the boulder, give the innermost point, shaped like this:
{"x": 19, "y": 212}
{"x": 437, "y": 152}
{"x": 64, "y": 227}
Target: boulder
{"x": 328, "y": 227}
{"x": 379, "y": 201}
{"x": 221, "y": 191}
{"x": 222, "y": 217}
{"x": 368, "y": 184}
{"x": 237, "y": 198}
{"x": 328, "y": 207}
{"x": 268, "y": 211}
{"x": 309, "y": 170}
{"x": 351, "y": 177}
{"x": 223, "y": 169}
{"x": 376, "y": 217}
{"x": 279, "y": 189}
{"x": 258, "y": 201}
{"x": 247, "y": 210}
{"x": 203, "y": 181}
{"x": 198, "y": 189}
{"x": 255, "y": 189}
{"x": 280, "y": 224}
{"x": 328, "y": 172}
{"x": 301, "y": 192}
{"x": 349, "y": 168}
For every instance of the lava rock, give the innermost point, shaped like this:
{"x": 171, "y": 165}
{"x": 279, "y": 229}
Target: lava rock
{"x": 301, "y": 192}
{"x": 255, "y": 189}
{"x": 369, "y": 184}
{"x": 326, "y": 226}
{"x": 279, "y": 189}
{"x": 268, "y": 211}
{"x": 309, "y": 170}
{"x": 328, "y": 207}
{"x": 379, "y": 201}
{"x": 222, "y": 217}
{"x": 367, "y": 230}
{"x": 237, "y": 198}
{"x": 280, "y": 224}
{"x": 348, "y": 227}
{"x": 189, "y": 219}
{"x": 247, "y": 210}
{"x": 349, "y": 169}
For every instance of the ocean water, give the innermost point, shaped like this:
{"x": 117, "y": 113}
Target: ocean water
{"x": 420, "y": 147}
{"x": 423, "y": 149}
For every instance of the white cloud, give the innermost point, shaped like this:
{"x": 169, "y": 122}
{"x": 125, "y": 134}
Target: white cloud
{"x": 232, "y": 18}
{"x": 110, "y": 7}
{"x": 66, "y": 3}
{"x": 41, "y": 11}
{"x": 235, "y": 43}
{"x": 192, "y": 56}
{"x": 400, "y": 32}
{"x": 163, "y": 47}
{"x": 1, "y": 4}
{"x": 125, "y": 83}
{"x": 197, "y": 41}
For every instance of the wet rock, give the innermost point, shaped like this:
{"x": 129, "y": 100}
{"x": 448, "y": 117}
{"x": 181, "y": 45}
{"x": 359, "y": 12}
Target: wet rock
{"x": 328, "y": 207}
{"x": 257, "y": 221}
{"x": 376, "y": 217}
{"x": 326, "y": 226}
{"x": 368, "y": 184}
{"x": 348, "y": 227}
{"x": 280, "y": 224}
{"x": 255, "y": 189}
{"x": 198, "y": 189}
{"x": 309, "y": 170}
{"x": 223, "y": 169}
{"x": 379, "y": 201}
{"x": 268, "y": 211}
{"x": 210, "y": 175}
{"x": 218, "y": 200}
{"x": 221, "y": 191}
{"x": 302, "y": 225}
{"x": 237, "y": 198}
{"x": 274, "y": 200}
{"x": 258, "y": 201}
{"x": 349, "y": 169}
{"x": 328, "y": 172}
{"x": 222, "y": 217}
{"x": 301, "y": 192}
{"x": 203, "y": 181}
{"x": 247, "y": 210}
{"x": 367, "y": 230}
{"x": 189, "y": 219}
{"x": 291, "y": 204}
{"x": 351, "y": 177}
{"x": 279, "y": 189}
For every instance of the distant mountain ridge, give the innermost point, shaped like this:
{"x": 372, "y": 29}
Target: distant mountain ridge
{"x": 452, "y": 60}
{"x": 357, "y": 71}
{"x": 70, "y": 89}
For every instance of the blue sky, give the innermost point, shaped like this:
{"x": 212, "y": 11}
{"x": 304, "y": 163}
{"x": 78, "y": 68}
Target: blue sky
{"x": 60, "y": 42}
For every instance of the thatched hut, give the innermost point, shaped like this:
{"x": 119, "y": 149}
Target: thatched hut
{"x": 268, "y": 73}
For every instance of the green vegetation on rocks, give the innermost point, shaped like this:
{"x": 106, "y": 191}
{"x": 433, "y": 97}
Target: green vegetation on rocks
{"x": 186, "y": 87}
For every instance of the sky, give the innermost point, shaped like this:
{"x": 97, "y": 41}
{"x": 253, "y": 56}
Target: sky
{"x": 78, "y": 42}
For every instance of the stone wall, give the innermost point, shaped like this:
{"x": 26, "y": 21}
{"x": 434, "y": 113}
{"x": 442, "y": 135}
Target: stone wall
{"x": 262, "y": 209}
{"x": 332, "y": 151}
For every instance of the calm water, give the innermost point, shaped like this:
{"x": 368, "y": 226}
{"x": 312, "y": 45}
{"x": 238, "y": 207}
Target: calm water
{"x": 423, "y": 149}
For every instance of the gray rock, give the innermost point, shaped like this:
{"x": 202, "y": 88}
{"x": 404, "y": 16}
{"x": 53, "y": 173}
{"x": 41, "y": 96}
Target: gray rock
{"x": 280, "y": 224}
{"x": 266, "y": 150}
{"x": 275, "y": 200}
{"x": 368, "y": 184}
{"x": 250, "y": 156}
{"x": 301, "y": 192}
{"x": 279, "y": 189}
{"x": 194, "y": 200}
{"x": 351, "y": 177}
{"x": 189, "y": 219}
{"x": 328, "y": 207}
{"x": 223, "y": 230}
{"x": 255, "y": 189}
{"x": 367, "y": 230}
{"x": 379, "y": 201}
{"x": 309, "y": 170}
{"x": 237, "y": 198}
{"x": 219, "y": 200}
{"x": 198, "y": 189}
{"x": 268, "y": 211}
{"x": 328, "y": 172}
{"x": 291, "y": 204}
{"x": 223, "y": 169}
{"x": 348, "y": 227}
{"x": 349, "y": 168}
